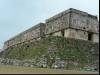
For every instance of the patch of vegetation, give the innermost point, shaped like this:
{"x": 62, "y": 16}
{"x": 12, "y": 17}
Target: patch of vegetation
{"x": 5, "y": 69}
{"x": 67, "y": 49}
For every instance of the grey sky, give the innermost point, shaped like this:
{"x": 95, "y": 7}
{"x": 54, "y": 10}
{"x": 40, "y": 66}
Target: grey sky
{"x": 19, "y": 15}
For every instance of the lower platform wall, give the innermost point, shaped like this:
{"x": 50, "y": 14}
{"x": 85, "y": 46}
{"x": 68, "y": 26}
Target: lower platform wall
{"x": 77, "y": 34}
{"x": 56, "y": 51}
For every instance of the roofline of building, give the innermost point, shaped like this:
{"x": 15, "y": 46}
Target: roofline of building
{"x": 31, "y": 28}
{"x": 71, "y": 10}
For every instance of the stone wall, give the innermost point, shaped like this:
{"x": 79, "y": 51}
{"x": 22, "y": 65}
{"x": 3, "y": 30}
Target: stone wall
{"x": 56, "y": 52}
{"x": 57, "y": 24}
{"x": 77, "y": 34}
{"x": 57, "y": 33}
{"x": 74, "y": 24}
{"x": 33, "y": 33}
{"x": 84, "y": 22}
{"x": 70, "y": 23}
{"x": 95, "y": 37}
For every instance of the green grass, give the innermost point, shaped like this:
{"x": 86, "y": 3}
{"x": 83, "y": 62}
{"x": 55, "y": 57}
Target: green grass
{"x": 63, "y": 48}
{"x": 5, "y": 69}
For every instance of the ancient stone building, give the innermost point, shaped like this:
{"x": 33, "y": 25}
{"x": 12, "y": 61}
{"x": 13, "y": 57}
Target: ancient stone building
{"x": 30, "y": 35}
{"x": 74, "y": 24}
{"x": 71, "y": 23}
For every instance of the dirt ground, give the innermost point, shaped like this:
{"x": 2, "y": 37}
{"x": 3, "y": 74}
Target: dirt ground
{"x": 27, "y": 70}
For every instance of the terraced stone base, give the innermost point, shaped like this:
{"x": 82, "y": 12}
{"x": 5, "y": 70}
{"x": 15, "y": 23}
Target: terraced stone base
{"x": 57, "y": 52}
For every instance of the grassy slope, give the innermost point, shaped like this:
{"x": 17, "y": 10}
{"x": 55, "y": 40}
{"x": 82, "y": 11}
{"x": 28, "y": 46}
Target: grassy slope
{"x": 63, "y": 48}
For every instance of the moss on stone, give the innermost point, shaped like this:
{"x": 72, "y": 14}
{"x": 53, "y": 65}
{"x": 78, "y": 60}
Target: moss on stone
{"x": 83, "y": 52}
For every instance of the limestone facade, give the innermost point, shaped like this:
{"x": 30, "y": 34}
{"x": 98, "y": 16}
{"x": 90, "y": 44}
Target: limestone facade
{"x": 29, "y": 35}
{"x": 71, "y": 23}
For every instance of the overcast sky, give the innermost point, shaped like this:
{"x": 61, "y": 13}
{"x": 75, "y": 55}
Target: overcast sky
{"x": 19, "y": 15}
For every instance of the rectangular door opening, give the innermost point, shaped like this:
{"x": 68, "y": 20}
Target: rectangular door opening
{"x": 90, "y": 35}
{"x": 63, "y": 33}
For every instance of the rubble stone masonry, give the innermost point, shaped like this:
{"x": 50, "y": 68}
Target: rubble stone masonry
{"x": 71, "y": 23}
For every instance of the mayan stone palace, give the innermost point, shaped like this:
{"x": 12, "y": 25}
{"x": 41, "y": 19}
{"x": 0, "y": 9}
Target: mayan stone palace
{"x": 71, "y": 23}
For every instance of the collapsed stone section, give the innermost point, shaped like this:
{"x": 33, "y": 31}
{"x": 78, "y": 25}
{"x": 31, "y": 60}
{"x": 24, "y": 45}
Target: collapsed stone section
{"x": 71, "y": 23}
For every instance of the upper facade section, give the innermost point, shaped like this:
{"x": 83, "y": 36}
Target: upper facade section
{"x": 72, "y": 18}
{"x": 33, "y": 33}
{"x": 70, "y": 23}
{"x": 83, "y": 21}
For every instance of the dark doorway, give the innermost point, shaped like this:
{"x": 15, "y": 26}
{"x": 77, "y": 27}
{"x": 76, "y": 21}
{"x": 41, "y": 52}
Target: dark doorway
{"x": 62, "y": 33}
{"x": 28, "y": 46}
{"x": 51, "y": 34}
{"x": 90, "y": 36}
